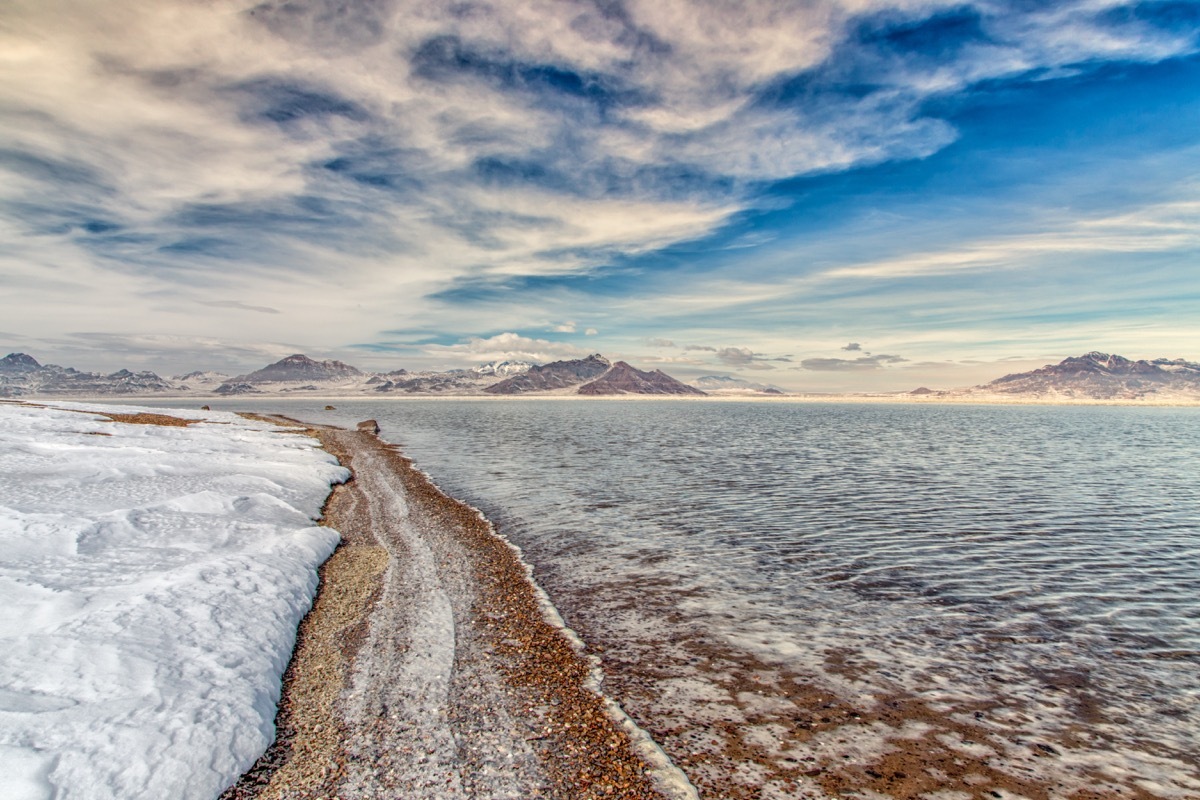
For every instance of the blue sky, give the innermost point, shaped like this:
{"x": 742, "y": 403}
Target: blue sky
{"x": 857, "y": 195}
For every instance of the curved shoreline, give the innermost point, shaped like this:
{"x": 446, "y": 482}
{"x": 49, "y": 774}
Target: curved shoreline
{"x": 423, "y": 585}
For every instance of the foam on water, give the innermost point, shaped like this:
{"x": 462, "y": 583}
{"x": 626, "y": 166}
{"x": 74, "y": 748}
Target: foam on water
{"x": 779, "y": 593}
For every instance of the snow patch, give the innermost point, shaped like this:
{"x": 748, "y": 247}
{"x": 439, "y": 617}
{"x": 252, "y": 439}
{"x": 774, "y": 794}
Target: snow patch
{"x": 153, "y": 580}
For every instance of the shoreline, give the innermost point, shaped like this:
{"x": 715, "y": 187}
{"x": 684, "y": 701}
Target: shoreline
{"x": 365, "y": 706}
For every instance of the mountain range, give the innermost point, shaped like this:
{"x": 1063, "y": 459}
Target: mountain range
{"x": 21, "y": 375}
{"x": 1101, "y": 376}
{"x": 1093, "y": 376}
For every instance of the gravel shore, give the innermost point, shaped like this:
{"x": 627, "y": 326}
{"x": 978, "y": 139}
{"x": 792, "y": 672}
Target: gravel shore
{"x": 428, "y": 668}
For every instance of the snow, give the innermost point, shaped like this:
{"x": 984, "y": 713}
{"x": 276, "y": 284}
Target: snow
{"x": 152, "y": 580}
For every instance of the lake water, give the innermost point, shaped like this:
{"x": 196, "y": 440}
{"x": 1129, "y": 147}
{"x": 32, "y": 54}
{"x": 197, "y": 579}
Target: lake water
{"x": 802, "y": 600}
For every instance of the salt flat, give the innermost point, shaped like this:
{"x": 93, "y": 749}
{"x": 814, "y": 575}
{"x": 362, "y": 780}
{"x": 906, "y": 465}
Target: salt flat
{"x": 153, "y": 577}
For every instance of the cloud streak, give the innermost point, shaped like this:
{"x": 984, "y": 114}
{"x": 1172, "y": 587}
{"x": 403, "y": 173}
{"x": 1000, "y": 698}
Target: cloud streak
{"x": 863, "y": 363}
{"x": 238, "y": 305}
{"x": 385, "y": 164}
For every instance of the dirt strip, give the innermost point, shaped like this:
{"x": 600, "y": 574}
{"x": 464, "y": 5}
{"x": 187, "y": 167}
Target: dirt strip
{"x": 427, "y": 668}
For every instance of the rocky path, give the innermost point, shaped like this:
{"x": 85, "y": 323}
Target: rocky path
{"x": 427, "y": 667}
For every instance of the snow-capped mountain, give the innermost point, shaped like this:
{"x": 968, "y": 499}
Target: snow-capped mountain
{"x": 504, "y": 369}
{"x": 18, "y": 364}
{"x": 555, "y": 375}
{"x": 207, "y": 380}
{"x": 1102, "y": 376}
{"x": 21, "y": 374}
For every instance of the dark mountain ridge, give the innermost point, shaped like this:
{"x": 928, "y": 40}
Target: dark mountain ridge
{"x": 21, "y": 374}
{"x": 300, "y": 367}
{"x": 555, "y": 375}
{"x": 18, "y": 363}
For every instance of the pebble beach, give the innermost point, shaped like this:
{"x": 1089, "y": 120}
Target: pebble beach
{"x": 429, "y": 666}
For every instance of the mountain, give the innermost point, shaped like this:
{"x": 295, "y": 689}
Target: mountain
{"x": 461, "y": 382}
{"x": 1188, "y": 370}
{"x": 21, "y": 374}
{"x": 624, "y": 379}
{"x": 300, "y": 367}
{"x": 18, "y": 363}
{"x": 200, "y": 381}
{"x": 555, "y": 375}
{"x": 1102, "y": 376}
{"x": 725, "y": 384}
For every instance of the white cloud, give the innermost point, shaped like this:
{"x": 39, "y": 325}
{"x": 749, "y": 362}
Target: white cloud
{"x": 302, "y": 157}
{"x": 505, "y": 346}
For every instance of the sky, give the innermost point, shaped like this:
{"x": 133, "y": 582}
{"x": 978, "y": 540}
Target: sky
{"x": 850, "y": 195}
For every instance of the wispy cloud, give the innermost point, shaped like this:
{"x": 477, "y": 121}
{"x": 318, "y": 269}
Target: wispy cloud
{"x": 355, "y": 165}
{"x": 238, "y": 305}
{"x": 849, "y": 364}
{"x": 745, "y": 358}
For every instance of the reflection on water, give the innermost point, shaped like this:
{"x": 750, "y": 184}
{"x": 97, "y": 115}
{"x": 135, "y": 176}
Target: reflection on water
{"x": 1019, "y": 585}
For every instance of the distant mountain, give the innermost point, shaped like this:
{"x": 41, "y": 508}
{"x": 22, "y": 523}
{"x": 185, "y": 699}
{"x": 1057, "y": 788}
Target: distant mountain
{"x": 203, "y": 377}
{"x": 504, "y": 369}
{"x": 21, "y": 374}
{"x": 230, "y": 388}
{"x": 555, "y": 375}
{"x": 1188, "y": 370}
{"x": 1102, "y": 376}
{"x": 1093, "y": 376}
{"x": 459, "y": 382}
{"x": 18, "y": 363}
{"x": 718, "y": 384}
{"x": 200, "y": 381}
{"x": 300, "y": 367}
{"x": 624, "y": 379}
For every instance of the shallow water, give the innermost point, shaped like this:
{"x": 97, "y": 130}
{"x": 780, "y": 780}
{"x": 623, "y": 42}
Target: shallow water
{"x": 1029, "y": 577}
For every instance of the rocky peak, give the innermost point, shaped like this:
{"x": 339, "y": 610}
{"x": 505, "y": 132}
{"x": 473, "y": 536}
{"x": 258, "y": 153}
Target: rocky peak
{"x": 300, "y": 367}
{"x": 1099, "y": 375}
{"x": 555, "y": 375}
{"x": 623, "y": 378}
{"x": 19, "y": 362}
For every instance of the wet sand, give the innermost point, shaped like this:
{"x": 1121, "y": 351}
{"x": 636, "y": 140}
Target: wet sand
{"x": 427, "y": 667}
{"x": 746, "y": 728}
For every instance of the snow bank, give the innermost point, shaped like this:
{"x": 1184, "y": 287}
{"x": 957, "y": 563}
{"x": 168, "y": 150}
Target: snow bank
{"x": 151, "y": 582}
